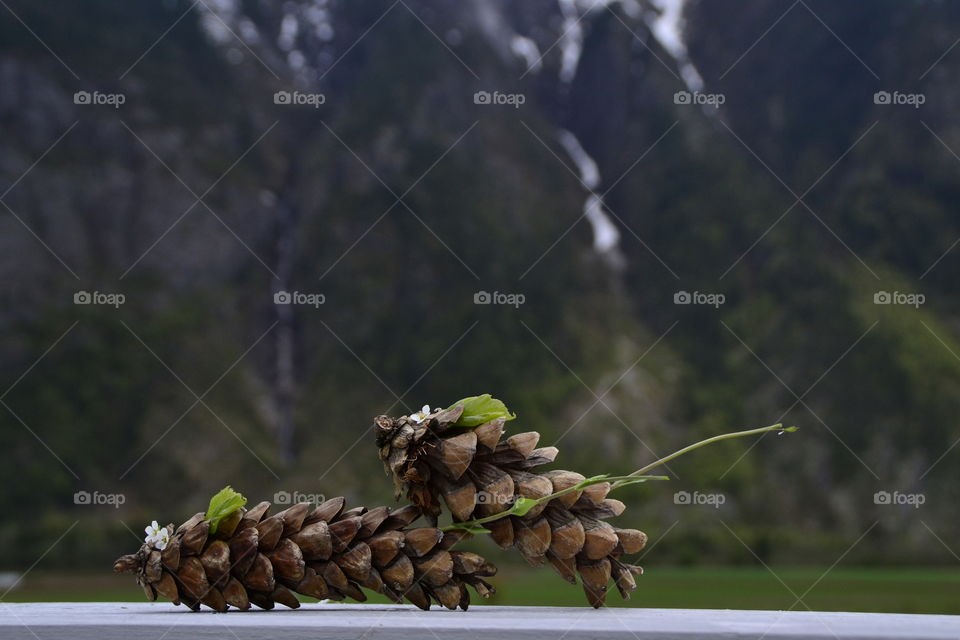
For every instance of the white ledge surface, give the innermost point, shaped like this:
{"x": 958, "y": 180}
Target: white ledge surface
{"x": 109, "y": 621}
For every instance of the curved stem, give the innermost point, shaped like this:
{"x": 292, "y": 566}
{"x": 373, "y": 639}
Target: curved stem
{"x": 702, "y": 443}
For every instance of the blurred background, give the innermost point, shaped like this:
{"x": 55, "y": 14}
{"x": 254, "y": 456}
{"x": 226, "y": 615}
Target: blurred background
{"x": 233, "y": 231}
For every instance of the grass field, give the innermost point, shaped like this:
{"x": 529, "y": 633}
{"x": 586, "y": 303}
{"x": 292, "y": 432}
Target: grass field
{"x": 905, "y": 590}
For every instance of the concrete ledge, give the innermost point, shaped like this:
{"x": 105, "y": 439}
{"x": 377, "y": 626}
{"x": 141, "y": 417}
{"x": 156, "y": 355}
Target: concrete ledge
{"x": 109, "y": 621}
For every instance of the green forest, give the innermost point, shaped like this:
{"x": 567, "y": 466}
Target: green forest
{"x": 235, "y": 232}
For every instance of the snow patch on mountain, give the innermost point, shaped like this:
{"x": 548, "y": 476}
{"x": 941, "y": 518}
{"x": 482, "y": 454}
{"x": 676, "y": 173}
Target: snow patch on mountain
{"x": 571, "y": 39}
{"x": 667, "y": 25}
{"x": 527, "y": 49}
{"x": 606, "y": 236}
{"x": 664, "y": 19}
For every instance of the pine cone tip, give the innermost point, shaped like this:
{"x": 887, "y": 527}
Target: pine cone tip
{"x": 129, "y": 563}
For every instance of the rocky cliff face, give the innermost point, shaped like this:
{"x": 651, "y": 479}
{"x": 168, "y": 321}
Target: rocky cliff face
{"x": 598, "y": 182}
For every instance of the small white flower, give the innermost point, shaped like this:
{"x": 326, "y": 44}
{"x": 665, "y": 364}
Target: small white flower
{"x": 422, "y": 415}
{"x": 157, "y": 537}
{"x": 153, "y": 532}
{"x": 161, "y": 541}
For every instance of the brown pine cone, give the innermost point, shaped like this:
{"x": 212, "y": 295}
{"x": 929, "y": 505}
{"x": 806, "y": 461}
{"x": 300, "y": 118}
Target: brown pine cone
{"x": 323, "y": 552}
{"x": 477, "y": 474}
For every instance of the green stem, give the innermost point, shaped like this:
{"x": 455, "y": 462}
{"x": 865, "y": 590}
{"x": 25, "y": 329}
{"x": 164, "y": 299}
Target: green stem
{"x": 473, "y": 524}
{"x": 523, "y": 505}
{"x": 702, "y": 443}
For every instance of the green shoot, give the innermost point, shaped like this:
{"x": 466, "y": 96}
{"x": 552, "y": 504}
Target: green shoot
{"x": 480, "y": 409}
{"x": 225, "y": 502}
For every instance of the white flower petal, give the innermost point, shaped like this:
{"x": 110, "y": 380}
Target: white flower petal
{"x": 152, "y": 531}
{"x": 425, "y": 410}
{"x": 155, "y": 532}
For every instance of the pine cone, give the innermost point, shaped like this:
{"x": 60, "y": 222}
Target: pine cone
{"x": 324, "y": 552}
{"x": 478, "y": 474}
